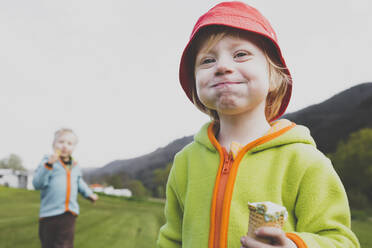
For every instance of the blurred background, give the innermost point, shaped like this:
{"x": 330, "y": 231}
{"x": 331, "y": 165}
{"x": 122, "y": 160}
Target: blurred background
{"x": 109, "y": 70}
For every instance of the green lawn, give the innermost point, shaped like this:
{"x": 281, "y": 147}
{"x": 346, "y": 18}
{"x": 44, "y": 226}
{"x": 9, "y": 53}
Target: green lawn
{"x": 363, "y": 230}
{"x": 111, "y": 222}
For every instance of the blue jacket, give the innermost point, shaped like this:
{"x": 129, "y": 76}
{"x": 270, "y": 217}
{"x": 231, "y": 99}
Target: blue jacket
{"x": 59, "y": 187}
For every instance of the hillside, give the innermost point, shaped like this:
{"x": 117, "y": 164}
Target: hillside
{"x": 140, "y": 165}
{"x": 334, "y": 119}
{"x": 329, "y": 122}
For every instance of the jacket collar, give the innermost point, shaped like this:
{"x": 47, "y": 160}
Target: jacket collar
{"x": 282, "y": 131}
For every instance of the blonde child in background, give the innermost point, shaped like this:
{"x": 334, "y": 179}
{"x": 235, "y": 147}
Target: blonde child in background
{"x": 59, "y": 179}
{"x": 233, "y": 70}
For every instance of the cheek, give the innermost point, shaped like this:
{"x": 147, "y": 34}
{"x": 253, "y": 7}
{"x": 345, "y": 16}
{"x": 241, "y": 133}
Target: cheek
{"x": 199, "y": 85}
{"x": 202, "y": 77}
{"x": 202, "y": 92}
{"x": 258, "y": 71}
{"x": 203, "y": 95}
{"x": 258, "y": 77}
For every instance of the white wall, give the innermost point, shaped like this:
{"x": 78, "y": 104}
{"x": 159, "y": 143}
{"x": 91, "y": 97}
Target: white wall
{"x": 8, "y": 178}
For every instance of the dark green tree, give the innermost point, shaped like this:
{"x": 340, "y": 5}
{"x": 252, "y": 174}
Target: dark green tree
{"x": 353, "y": 162}
{"x": 12, "y": 162}
{"x": 160, "y": 180}
{"x": 115, "y": 181}
{"x": 3, "y": 164}
{"x": 137, "y": 188}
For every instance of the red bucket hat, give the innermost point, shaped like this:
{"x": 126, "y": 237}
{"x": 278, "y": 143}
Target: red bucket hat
{"x": 236, "y": 15}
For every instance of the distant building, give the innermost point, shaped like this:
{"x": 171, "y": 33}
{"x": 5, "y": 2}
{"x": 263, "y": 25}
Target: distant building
{"x": 110, "y": 190}
{"x": 97, "y": 187}
{"x": 16, "y": 178}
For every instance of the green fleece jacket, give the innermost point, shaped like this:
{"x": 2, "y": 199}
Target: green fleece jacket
{"x": 287, "y": 170}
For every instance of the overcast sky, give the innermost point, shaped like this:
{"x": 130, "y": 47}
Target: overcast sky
{"x": 109, "y": 69}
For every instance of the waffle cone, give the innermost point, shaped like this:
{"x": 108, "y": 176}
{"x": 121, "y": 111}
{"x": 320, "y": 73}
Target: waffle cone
{"x": 257, "y": 220}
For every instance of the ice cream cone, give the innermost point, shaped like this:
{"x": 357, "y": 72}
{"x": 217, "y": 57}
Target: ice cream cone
{"x": 265, "y": 214}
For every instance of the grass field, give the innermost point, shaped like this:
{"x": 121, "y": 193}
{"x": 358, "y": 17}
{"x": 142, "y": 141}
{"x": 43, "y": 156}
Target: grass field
{"x": 111, "y": 222}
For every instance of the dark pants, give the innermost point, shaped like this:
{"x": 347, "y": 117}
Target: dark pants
{"x": 57, "y": 231}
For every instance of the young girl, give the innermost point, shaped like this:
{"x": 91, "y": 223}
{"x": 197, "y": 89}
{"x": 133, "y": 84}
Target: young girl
{"x": 232, "y": 69}
{"x": 59, "y": 179}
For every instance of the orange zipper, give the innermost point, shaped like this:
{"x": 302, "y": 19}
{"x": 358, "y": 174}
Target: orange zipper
{"x": 224, "y": 186}
{"x": 68, "y": 184}
{"x": 228, "y": 161}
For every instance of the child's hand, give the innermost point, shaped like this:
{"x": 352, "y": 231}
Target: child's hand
{"x": 54, "y": 157}
{"x": 271, "y": 233}
{"x": 93, "y": 197}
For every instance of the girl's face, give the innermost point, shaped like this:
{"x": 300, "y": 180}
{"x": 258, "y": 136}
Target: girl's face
{"x": 65, "y": 144}
{"x": 232, "y": 77}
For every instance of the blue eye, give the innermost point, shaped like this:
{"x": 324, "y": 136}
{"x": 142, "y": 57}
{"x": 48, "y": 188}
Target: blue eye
{"x": 208, "y": 61}
{"x": 240, "y": 54}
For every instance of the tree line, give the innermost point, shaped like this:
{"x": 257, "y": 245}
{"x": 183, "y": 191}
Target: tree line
{"x": 13, "y": 161}
{"x": 352, "y": 161}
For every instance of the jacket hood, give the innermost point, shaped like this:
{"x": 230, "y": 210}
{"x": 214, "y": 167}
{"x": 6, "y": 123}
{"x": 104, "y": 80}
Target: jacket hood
{"x": 295, "y": 134}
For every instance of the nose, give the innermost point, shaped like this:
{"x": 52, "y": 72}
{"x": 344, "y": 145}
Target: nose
{"x": 223, "y": 67}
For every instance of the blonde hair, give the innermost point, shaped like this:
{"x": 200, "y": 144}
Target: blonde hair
{"x": 62, "y": 131}
{"x": 278, "y": 78}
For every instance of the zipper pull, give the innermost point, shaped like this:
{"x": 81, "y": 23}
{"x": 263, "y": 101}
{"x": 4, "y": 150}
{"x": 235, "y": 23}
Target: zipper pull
{"x": 227, "y": 164}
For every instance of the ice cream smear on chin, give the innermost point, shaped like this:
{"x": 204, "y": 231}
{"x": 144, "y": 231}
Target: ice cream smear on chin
{"x": 271, "y": 212}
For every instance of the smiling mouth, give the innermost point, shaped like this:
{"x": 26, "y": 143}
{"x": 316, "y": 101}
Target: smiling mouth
{"x": 221, "y": 84}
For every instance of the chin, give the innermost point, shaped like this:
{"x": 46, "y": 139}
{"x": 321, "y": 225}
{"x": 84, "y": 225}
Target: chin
{"x": 233, "y": 109}
{"x": 228, "y": 106}
{"x": 229, "y": 110}
{"x": 233, "y": 112}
